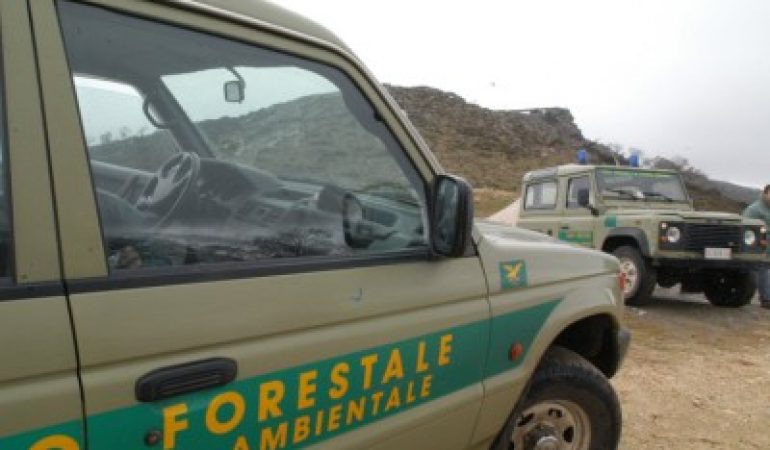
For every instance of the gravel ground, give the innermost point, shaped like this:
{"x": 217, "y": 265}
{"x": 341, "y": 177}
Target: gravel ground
{"x": 696, "y": 376}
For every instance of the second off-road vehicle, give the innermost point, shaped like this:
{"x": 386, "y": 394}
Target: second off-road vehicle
{"x": 646, "y": 219}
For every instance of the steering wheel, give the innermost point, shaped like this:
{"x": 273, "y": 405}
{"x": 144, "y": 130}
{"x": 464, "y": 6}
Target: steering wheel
{"x": 172, "y": 188}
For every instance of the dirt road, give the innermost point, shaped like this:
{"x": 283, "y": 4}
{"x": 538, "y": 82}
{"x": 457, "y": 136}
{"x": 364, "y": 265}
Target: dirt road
{"x": 696, "y": 377}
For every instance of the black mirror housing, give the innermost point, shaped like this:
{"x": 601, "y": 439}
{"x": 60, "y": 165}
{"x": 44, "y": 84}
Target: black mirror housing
{"x": 452, "y": 216}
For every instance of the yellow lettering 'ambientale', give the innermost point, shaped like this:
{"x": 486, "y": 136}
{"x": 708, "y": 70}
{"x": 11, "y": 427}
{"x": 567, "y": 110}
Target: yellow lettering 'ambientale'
{"x": 445, "y": 348}
{"x": 425, "y": 389}
{"x": 241, "y": 443}
{"x": 270, "y": 440}
{"x": 56, "y": 442}
{"x": 376, "y": 399}
{"x": 226, "y": 398}
{"x": 171, "y": 424}
{"x": 270, "y": 395}
{"x": 301, "y": 429}
{"x": 356, "y": 410}
{"x": 394, "y": 399}
{"x": 335, "y": 414}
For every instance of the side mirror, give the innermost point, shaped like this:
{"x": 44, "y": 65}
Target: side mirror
{"x": 452, "y": 216}
{"x": 584, "y": 200}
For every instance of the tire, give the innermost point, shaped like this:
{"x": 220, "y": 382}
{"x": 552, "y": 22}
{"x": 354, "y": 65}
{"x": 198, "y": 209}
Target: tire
{"x": 643, "y": 278}
{"x": 730, "y": 289}
{"x": 569, "y": 404}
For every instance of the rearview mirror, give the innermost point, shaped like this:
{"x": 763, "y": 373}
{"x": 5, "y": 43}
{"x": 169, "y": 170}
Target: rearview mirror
{"x": 452, "y": 216}
{"x": 234, "y": 91}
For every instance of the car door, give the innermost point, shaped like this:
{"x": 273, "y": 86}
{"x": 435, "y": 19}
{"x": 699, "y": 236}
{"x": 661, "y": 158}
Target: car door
{"x": 260, "y": 277}
{"x": 40, "y": 403}
{"x": 577, "y": 226}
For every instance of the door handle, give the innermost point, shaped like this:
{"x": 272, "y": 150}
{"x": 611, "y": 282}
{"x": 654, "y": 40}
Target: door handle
{"x": 182, "y": 379}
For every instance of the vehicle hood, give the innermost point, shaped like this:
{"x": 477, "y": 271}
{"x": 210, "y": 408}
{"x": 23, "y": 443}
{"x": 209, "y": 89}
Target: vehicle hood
{"x": 517, "y": 258}
{"x": 694, "y": 216}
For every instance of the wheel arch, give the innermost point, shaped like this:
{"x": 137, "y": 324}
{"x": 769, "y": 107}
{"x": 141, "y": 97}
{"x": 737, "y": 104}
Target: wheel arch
{"x": 593, "y": 337}
{"x": 618, "y": 237}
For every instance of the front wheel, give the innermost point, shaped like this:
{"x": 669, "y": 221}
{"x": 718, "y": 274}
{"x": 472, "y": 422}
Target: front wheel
{"x": 570, "y": 405}
{"x": 639, "y": 275}
{"x": 730, "y": 289}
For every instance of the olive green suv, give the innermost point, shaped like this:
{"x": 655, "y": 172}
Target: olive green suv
{"x": 218, "y": 232}
{"x": 646, "y": 219}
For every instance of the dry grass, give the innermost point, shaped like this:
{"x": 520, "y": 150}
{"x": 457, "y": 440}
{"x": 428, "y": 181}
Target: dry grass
{"x": 488, "y": 201}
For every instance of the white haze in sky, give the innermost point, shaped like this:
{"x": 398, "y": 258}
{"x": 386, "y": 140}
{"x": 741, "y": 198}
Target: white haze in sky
{"x": 671, "y": 77}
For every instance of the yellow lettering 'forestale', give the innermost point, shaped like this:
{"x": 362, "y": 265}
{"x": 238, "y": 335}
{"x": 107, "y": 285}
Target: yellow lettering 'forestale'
{"x": 270, "y": 395}
{"x": 56, "y": 442}
{"x": 273, "y": 441}
{"x": 445, "y": 348}
{"x": 307, "y": 388}
{"x": 339, "y": 381}
{"x": 172, "y": 425}
{"x": 392, "y": 385}
{"x": 367, "y": 362}
{"x": 226, "y": 398}
{"x": 395, "y": 367}
{"x": 422, "y": 365}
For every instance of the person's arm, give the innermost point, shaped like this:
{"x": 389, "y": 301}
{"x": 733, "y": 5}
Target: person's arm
{"x": 752, "y": 213}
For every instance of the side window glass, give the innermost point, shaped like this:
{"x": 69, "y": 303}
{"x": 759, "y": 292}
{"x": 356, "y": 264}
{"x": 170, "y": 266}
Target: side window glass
{"x": 541, "y": 195}
{"x": 575, "y": 185}
{"x": 206, "y": 150}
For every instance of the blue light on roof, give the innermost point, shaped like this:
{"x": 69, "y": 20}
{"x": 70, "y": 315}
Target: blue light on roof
{"x": 582, "y": 156}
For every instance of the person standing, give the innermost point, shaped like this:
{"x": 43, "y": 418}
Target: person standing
{"x": 760, "y": 209}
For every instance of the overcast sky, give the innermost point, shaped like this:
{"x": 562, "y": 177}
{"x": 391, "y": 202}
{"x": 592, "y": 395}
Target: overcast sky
{"x": 672, "y": 77}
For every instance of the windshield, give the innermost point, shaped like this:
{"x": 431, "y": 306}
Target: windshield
{"x": 642, "y": 185}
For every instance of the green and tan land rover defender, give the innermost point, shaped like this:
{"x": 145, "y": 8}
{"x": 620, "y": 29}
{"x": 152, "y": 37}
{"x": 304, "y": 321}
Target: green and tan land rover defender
{"x": 646, "y": 219}
{"x": 218, "y": 232}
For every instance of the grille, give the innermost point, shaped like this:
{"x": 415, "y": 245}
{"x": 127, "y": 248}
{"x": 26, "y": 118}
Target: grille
{"x": 700, "y": 236}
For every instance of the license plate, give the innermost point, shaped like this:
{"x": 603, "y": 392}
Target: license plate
{"x": 719, "y": 253}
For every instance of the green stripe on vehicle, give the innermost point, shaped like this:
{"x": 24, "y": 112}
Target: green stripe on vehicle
{"x": 585, "y": 238}
{"x": 303, "y": 405}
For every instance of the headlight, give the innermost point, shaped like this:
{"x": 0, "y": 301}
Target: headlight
{"x": 749, "y": 237}
{"x": 673, "y": 234}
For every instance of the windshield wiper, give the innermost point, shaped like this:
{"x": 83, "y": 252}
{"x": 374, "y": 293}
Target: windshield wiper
{"x": 658, "y": 194}
{"x": 631, "y": 194}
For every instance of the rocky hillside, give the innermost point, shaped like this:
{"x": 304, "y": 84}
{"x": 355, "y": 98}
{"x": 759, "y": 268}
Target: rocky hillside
{"x": 493, "y": 149}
